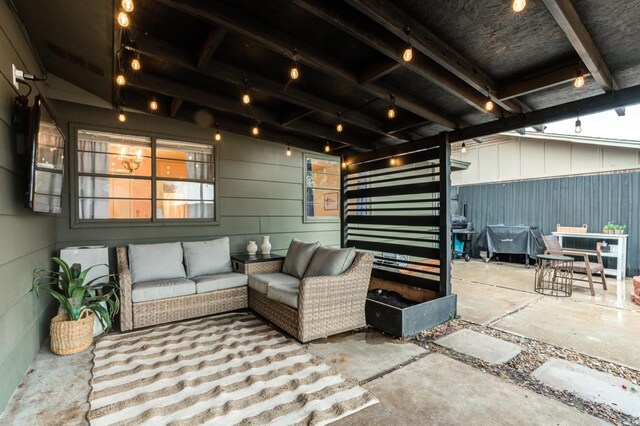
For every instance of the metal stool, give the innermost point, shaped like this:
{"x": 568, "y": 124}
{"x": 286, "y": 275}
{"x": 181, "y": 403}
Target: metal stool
{"x": 554, "y": 275}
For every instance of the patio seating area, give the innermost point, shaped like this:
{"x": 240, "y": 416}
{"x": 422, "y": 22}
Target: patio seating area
{"x": 311, "y": 212}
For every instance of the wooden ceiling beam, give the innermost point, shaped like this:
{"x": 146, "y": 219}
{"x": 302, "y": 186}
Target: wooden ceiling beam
{"x": 281, "y": 43}
{"x": 586, "y": 106}
{"x": 395, "y": 20}
{"x": 399, "y": 126}
{"x": 159, "y": 49}
{"x": 214, "y": 101}
{"x": 372, "y": 72}
{"x": 135, "y": 103}
{"x": 539, "y": 81}
{"x": 392, "y": 47}
{"x": 176, "y": 103}
{"x": 295, "y": 114}
{"x": 210, "y": 46}
{"x": 568, "y": 19}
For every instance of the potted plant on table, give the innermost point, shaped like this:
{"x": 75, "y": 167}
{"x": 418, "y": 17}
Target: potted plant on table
{"x": 80, "y": 303}
{"x": 609, "y": 228}
{"x": 619, "y": 229}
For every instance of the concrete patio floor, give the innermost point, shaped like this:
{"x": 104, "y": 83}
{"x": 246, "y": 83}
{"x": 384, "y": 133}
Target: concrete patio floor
{"x": 413, "y": 384}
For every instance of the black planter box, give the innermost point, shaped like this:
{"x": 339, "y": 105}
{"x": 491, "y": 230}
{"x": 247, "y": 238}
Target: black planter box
{"x": 407, "y": 322}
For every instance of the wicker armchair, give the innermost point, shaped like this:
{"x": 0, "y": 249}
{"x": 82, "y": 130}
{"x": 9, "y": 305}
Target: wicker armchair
{"x": 584, "y": 266}
{"x": 327, "y": 305}
{"x": 142, "y": 314}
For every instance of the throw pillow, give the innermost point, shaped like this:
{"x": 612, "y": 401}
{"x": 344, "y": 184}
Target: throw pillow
{"x": 149, "y": 262}
{"x": 207, "y": 257}
{"x": 330, "y": 261}
{"x": 298, "y": 257}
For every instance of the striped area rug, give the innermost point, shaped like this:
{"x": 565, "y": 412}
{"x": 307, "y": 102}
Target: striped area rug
{"x": 223, "y": 370}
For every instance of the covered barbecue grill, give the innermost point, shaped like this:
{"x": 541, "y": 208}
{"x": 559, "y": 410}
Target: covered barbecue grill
{"x": 511, "y": 239}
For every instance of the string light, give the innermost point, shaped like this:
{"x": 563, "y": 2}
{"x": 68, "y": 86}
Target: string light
{"x": 327, "y": 147}
{"x": 489, "y": 105}
{"x": 295, "y": 72}
{"x": 136, "y": 64}
{"x": 120, "y": 80}
{"x": 578, "y": 127}
{"x": 123, "y": 19}
{"x": 391, "y": 112}
{"x": 218, "y": 136}
{"x": 121, "y": 117}
{"x": 255, "y": 130}
{"x": 339, "y": 126}
{"x": 579, "y": 81}
{"x": 407, "y": 55}
{"x": 344, "y": 164}
{"x": 246, "y": 99}
{"x": 127, "y": 5}
{"x": 288, "y": 151}
{"x": 464, "y": 148}
{"x": 392, "y": 161}
{"x": 518, "y": 5}
{"x": 153, "y": 105}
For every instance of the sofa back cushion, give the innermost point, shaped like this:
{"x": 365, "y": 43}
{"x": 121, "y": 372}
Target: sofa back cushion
{"x": 207, "y": 257}
{"x": 149, "y": 262}
{"x": 330, "y": 261}
{"x": 298, "y": 257}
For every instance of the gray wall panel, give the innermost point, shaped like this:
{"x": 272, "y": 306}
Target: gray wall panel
{"x": 572, "y": 201}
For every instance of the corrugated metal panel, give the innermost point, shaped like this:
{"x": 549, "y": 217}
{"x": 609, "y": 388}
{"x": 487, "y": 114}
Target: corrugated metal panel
{"x": 570, "y": 201}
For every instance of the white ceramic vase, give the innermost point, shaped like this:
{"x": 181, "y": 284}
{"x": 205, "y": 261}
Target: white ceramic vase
{"x": 252, "y": 248}
{"x": 265, "y": 247}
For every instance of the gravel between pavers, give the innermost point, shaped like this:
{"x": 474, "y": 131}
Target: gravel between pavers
{"x": 534, "y": 353}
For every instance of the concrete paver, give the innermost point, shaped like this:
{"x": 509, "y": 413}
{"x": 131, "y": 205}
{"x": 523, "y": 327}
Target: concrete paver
{"x": 441, "y": 391}
{"x": 478, "y": 345}
{"x": 363, "y": 355}
{"x": 590, "y": 384}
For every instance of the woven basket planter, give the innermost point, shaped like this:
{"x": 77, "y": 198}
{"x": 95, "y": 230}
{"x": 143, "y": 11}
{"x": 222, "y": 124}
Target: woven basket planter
{"x": 71, "y": 337}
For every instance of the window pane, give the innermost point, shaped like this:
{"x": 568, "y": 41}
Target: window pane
{"x": 90, "y": 186}
{"x": 323, "y": 180}
{"x": 92, "y": 208}
{"x": 109, "y": 153}
{"x": 170, "y": 190}
{"x": 323, "y": 166}
{"x": 192, "y": 170}
{"x": 47, "y": 203}
{"x": 166, "y": 209}
{"x": 323, "y": 203}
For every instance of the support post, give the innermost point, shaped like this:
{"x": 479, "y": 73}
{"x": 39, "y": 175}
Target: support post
{"x": 445, "y": 213}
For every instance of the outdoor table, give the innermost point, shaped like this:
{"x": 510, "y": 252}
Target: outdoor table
{"x": 554, "y": 275}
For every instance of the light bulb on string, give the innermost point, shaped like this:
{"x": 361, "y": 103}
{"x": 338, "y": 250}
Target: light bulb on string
{"x": 288, "y": 151}
{"x": 255, "y": 130}
{"x": 246, "y": 99}
{"x": 578, "y": 82}
{"x": 123, "y": 19}
{"x": 327, "y": 147}
{"x": 217, "y": 136}
{"x": 578, "y": 128}
{"x": 295, "y": 72}
{"x": 519, "y": 5}
{"x": 120, "y": 80}
{"x": 391, "y": 112}
{"x": 488, "y": 105}
{"x": 136, "y": 64}
{"x": 464, "y": 148}
{"x": 407, "y": 54}
{"x": 339, "y": 126}
{"x": 153, "y": 104}
{"x": 121, "y": 117}
{"x": 127, "y": 5}
{"x": 392, "y": 161}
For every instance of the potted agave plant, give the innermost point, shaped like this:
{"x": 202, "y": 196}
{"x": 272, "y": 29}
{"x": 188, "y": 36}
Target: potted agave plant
{"x": 80, "y": 303}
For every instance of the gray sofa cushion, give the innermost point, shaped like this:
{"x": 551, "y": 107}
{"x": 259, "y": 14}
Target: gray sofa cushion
{"x": 208, "y": 283}
{"x": 298, "y": 257}
{"x": 149, "y": 262}
{"x": 261, "y": 282}
{"x": 330, "y": 261}
{"x": 161, "y": 289}
{"x": 286, "y": 293}
{"x": 207, "y": 257}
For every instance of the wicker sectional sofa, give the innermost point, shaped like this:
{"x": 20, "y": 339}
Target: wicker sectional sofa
{"x": 313, "y": 294}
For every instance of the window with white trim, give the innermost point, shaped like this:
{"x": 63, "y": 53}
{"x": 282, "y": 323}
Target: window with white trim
{"x": 321, "y": 188}
{"x": 124, "y": 177}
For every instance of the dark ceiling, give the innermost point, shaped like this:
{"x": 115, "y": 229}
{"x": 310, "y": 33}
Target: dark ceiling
{"x": 199, "y": 56}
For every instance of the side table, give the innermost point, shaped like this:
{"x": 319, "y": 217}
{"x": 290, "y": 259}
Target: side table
{"x": 258, "y": 264}
{"x": 554, "y": 275}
